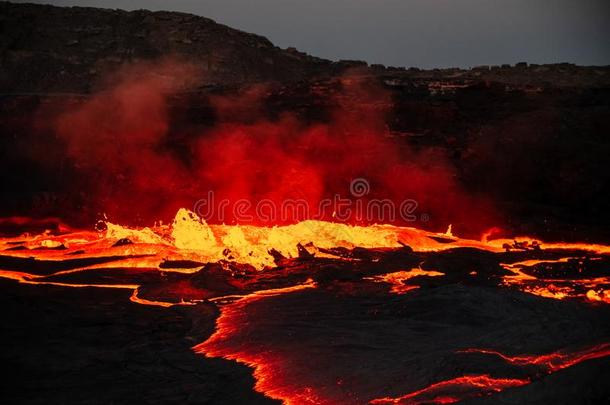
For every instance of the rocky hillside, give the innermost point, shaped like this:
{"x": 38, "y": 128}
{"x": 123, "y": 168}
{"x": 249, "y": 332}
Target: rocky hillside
{"x": 48, "y": 49}
{"x": 58, "y": 49}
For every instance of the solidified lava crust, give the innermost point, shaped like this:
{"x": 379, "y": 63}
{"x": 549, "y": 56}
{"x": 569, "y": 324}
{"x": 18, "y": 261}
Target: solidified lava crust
{"x": 460, "y": 320}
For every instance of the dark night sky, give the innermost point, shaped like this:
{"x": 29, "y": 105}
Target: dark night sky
{"x": 422, "y": 33}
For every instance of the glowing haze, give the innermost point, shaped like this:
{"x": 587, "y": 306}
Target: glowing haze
{"x": 120, "y": 137}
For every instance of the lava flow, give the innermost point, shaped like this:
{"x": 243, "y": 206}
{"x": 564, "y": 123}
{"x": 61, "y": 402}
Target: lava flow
{"x": 353, "y": 273}
{"x": 445, "y": 392}
{"x": 551, "y": 362}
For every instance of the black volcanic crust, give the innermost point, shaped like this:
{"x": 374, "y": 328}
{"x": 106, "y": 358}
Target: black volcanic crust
{"x": 348, "y": 337}
{"x": 94, "y": 346}
{"x": 75, "y": 346}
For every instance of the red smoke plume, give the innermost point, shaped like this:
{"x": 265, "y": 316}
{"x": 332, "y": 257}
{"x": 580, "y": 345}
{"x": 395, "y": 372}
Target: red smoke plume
{"x": 120, "y": 137}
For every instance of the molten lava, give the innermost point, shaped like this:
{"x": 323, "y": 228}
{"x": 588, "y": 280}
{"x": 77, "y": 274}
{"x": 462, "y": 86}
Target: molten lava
{"x": 551, "y": 362}
{"x": 398, "y": 279}
{"x": 444, "y": 392}
{"x": 236, "y": 266}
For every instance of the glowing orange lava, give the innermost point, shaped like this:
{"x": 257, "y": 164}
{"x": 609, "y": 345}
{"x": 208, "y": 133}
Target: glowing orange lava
{"x": 398, "y": 279}
{"x": 444, "y": 392}
{"x": 556, "y": 288}
{"x": 192, "y": 239}
{"x": 551, "y": 362}
{"x": 599, "y": 296}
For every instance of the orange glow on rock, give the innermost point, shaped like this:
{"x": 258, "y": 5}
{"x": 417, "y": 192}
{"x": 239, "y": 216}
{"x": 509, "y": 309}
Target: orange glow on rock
{"x": 551, "y": 362}
{"x": 266, "y": 380}
{"x": 599, "y": 296}
{"x": 444, "y": 392}
{"x": 398, "y": 279}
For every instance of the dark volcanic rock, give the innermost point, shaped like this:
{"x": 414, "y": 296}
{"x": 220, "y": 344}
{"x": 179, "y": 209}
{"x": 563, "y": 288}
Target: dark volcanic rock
{"x": 408, "y": 342}
{"x": 68, "y": 49}
{"x": 349, "y": 336}
{"x": 52, "y": 49}
{"x": 94, "y": 346}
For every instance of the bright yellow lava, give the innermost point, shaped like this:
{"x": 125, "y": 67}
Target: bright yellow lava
{"x": 189, "y": 238}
